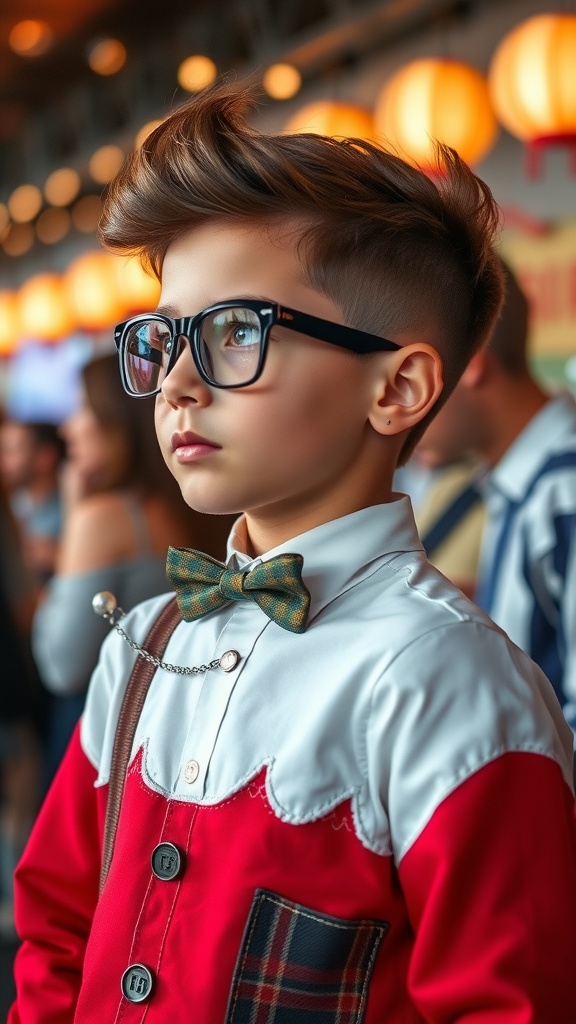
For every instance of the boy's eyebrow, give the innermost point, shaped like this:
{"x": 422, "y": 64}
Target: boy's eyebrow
{"x": 172, "y": 312}
{"x": 167, "y": 311}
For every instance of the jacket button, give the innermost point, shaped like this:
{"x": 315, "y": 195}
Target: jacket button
{"x": 137, "y": 982}
{"x": 167, "y": 861}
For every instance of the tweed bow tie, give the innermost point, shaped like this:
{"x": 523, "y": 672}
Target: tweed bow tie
{"x": 202, "y": 584}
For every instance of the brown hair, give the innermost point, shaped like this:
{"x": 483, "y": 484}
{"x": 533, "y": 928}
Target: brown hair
{"x": 396, "y": 249}
{"x": 130, "y": 422}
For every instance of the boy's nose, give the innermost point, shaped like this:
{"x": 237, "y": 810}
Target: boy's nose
{"x": 184, "y": 382}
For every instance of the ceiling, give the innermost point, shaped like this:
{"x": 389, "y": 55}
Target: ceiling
{"x": 55, "y": 111}
{"x": 29, "y": 83}
{"x": 241, "y": 30}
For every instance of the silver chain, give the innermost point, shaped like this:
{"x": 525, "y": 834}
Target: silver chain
{"x": 105, "y": 605}
{"x": 179, "y": 670}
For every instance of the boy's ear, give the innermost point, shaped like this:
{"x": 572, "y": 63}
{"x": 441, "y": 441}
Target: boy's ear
{"x": 408, "y": 387}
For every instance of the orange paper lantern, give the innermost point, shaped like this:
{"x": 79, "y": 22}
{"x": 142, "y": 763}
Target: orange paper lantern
{"x": 433, "y": 99}
{"x": 9, "y": 322}
{"x": 44, "y": 309}
{"x": 138, "y": 291}
{"x": 338, "y": 120}
{"x": 92, "y": 288}
{"x": 532, "y": 81}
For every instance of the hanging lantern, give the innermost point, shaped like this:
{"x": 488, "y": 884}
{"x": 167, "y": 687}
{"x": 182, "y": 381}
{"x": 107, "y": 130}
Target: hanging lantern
{"x": 44, "y": 308}
{"x": 138, "y": 291}
{"x": 92, "y": 288}
{"x": 532, "y": 81}
{"x": 9, "y": 322}
{"x": 339, "y": 120}
{"x": 435, "y": 100}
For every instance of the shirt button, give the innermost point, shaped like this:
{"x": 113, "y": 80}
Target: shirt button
{"x": 137, "y": 982}
{"x": 191, "y": 771}
{"x": 167, "y": 862}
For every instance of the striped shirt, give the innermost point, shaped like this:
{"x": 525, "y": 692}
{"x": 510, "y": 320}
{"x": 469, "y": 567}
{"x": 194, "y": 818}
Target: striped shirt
{"x": 528, "y": 563}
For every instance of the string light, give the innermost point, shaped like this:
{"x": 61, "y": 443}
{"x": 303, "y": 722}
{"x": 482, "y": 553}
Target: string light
{"x": 196, "y": 73}
{"x": 53, "y": 225}
{"x": 30, "y": 38}
{"x": 105, "y": 163}
{"x": 107, "y": 56}
{"x": 282, "y": 81}
{"x": 86, "y": 213}
{"x": 62, "y": 186}
{"x": 19, "y": 238}
{"x": 145, "y": 131}
{"x": 24, "y": 203}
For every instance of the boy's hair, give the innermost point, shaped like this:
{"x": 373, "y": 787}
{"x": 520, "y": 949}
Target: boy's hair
{"x": 395, "y": 249}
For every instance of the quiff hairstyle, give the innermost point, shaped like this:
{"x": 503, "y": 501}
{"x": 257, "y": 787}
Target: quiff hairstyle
{"x": 396, "y": 250}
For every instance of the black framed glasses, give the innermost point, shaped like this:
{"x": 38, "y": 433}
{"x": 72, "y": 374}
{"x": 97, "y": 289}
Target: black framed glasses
{"x": 228, "y": 342}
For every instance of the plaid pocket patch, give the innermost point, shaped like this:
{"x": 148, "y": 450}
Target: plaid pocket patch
{"x": 298, "y": 966}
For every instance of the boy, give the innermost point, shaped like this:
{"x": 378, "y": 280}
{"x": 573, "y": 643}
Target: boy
{"x": 369, "y": 817}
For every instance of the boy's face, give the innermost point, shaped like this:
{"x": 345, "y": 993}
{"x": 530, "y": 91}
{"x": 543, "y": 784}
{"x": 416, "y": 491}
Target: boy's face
{"x": 294, "y": 449}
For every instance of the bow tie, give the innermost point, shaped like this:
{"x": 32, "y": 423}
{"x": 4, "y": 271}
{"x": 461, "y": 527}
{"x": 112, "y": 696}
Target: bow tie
{"x": 202, "y": 585}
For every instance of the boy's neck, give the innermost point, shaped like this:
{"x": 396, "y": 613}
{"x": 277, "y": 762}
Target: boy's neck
{"x": 266, "y": 531}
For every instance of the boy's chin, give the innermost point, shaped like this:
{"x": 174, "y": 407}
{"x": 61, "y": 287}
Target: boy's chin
{"x": 211, "y": 508}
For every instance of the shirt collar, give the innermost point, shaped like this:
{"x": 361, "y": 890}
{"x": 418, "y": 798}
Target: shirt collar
{"x": 340, "y": 553}
{"x": 539, "y": 438}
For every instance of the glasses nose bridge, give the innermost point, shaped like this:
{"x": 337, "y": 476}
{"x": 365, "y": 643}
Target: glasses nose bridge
{"x": 184, "y": 329}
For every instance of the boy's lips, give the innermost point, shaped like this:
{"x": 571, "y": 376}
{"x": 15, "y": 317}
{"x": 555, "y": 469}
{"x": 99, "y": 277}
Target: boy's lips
{"x": 189, "y": 446}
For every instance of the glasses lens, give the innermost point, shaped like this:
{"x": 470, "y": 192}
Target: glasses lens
{"x": 146, "y": 351}
{"x": 229, "y": 344}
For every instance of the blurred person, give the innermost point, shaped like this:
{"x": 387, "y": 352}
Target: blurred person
{"x": 450, "y": 520}
{"x": 31, "y": 455}
{"x": 526, "y": 441}
{"x": 20, "y": 711}
{"x": 122, "y": 509}
{"x": 448, "y": 510}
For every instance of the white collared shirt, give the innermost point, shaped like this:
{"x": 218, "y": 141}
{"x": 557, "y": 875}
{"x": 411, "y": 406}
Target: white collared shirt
{"x": 398, "y": 691}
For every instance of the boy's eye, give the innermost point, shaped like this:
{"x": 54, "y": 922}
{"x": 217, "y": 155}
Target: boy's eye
{"x": 243, "y": 334}
{"x": 236, "y": 328}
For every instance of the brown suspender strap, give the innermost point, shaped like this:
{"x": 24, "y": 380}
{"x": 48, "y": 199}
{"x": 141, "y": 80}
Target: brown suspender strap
{"x": 132, "y": 704}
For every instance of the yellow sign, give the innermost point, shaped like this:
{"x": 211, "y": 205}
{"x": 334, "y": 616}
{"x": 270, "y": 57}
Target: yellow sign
{"x": 545, "y": 264}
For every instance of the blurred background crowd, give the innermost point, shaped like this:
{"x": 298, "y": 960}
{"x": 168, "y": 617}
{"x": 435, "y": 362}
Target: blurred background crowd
{"x": 85, "y": 502}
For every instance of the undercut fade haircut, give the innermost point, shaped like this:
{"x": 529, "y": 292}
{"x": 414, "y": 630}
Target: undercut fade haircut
{"x": 396, "y": 249}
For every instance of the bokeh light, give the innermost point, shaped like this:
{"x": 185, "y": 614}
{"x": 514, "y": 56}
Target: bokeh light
{"x": 105, "y": 163}
{"x": 86, "y": 213}
{"x": 62, "y": 186}
{"x": 282, "y": 81}
{"x": 53, "y": 225}
{"x": 196, "y": 73}
{"x": 145, "y": 131}
{"x": 107, "y": 56}
{"x": 24, "y": 203}
{"x": 18, "y": 240}
{"x": 44, "y": 308}
{"x": 9, "y": 322}
{"x": 30, "y": 38}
